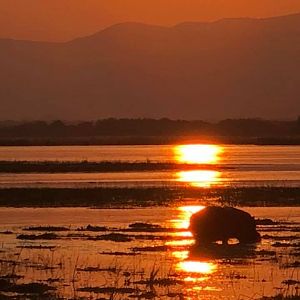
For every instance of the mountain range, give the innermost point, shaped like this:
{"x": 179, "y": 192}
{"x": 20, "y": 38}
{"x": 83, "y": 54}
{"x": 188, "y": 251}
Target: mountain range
{"x": 232, "y": 68}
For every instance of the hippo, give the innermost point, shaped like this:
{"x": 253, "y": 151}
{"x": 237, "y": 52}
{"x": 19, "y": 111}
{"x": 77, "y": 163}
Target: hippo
{"x": 215, "y": 223}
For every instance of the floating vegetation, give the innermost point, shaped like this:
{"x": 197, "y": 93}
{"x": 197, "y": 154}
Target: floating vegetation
{"x": 291, "y": 282}
{"x": 53, "y": 280}
{"x": 29, "y": 288}
{"x": 114, "y": 237}
{"x": 265, "y": 253}
{"x": 117, "y": 253}
{"x": 265, "y": 222}
{"x": 139, "y": 226}
{"x": 37, "y": 247}
{"x": 44, "y": 236}
{"x": 105, "y": 197}
{"x": 148, "y": 227}
{"x": 150, "y": 249}
{"x": 6, "y": 232}
{"x": 108, "y": 290}
{"x": 46, "y": 228}
{"x": 159, "y": 282}
{"x": 93, "y": 228}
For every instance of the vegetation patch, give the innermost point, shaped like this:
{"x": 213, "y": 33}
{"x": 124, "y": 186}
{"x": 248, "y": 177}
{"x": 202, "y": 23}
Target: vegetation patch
{"x": 29, "y": 288}
{"x": 160, "y": 282}
{"x": 45, "y": 236}
{"x": 105, "y": 197}
{"x": 108, "y": 290}
{"x": 265, "y": 222}
{"x": 8, "y": 232}
{"x": 150, "y": 249}
{"x": 37, "y": 247}
{"x": 114, "y": 237}
{"x": 93, "y": 228}
{"x": 265, "y": 253}
{"x": 147, "y": 227}
{"x": 118, "y": 253}
{"x": 46, "y": 228}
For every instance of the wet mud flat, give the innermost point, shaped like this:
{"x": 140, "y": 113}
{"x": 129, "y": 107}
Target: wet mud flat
{"x": 153, "y": 258}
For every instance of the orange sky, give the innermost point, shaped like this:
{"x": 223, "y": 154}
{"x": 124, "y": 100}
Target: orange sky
{"x": 58, "y": 20}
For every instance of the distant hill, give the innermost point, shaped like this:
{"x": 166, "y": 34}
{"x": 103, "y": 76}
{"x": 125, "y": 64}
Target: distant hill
{"x": 232, "y": 68}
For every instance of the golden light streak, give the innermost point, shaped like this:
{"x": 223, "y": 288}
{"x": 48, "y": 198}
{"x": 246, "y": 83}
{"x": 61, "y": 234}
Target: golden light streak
{"x": 199, "y": 178}
{"x": 196, "y": 267}
{"x": 185, "y": 213}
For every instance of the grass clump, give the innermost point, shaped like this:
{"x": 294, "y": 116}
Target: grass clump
{"x": 44, "y": 236}
{"x": 46, "y": 228}
{"x": 113, "y": 237}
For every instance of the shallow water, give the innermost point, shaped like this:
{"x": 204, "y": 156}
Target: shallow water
{"x": 195, "y": 273}
{"x": 237, "y": 166}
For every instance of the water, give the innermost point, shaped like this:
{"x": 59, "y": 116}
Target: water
{"x": 237, "y": 166}
{"x": 233, "y": 154}
{"x": 77, "y": 261}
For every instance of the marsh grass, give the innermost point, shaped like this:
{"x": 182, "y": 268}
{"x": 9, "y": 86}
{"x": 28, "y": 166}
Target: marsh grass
{"x": 121, "y": 284}
{"x": 58, "y": 271}
{"x": 46, "y": 228}
{"x": 85, "y": 166}
{"x": 44, "y": 236}
{"x": 104, "y": 197}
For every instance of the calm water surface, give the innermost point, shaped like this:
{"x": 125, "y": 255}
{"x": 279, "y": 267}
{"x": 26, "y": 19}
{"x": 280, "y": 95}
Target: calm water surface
{"x": 237, "y": 165}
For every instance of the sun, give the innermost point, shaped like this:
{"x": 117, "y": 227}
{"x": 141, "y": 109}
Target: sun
{"x": 198, "y": 154}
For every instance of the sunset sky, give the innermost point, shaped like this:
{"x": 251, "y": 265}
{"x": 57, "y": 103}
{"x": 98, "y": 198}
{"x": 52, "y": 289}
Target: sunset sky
{"x": 59, "y": 20}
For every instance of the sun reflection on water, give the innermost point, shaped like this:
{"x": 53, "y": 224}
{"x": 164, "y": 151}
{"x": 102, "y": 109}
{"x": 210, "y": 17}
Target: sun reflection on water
{"x": 197, "y": 267}
{"x": 199, "y": 178}
{"x": 197, "y": 155}
{"x": 185, "y": 213}
{"x": 192, "y": 271}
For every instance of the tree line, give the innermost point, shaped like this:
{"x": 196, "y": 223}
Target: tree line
{"x": 150, "y": 128}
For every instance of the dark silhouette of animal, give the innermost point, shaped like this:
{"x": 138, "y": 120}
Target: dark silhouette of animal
{"x": 215, "y": 223}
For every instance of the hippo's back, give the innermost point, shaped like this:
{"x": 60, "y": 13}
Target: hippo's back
{"x": 222, "y": 223}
